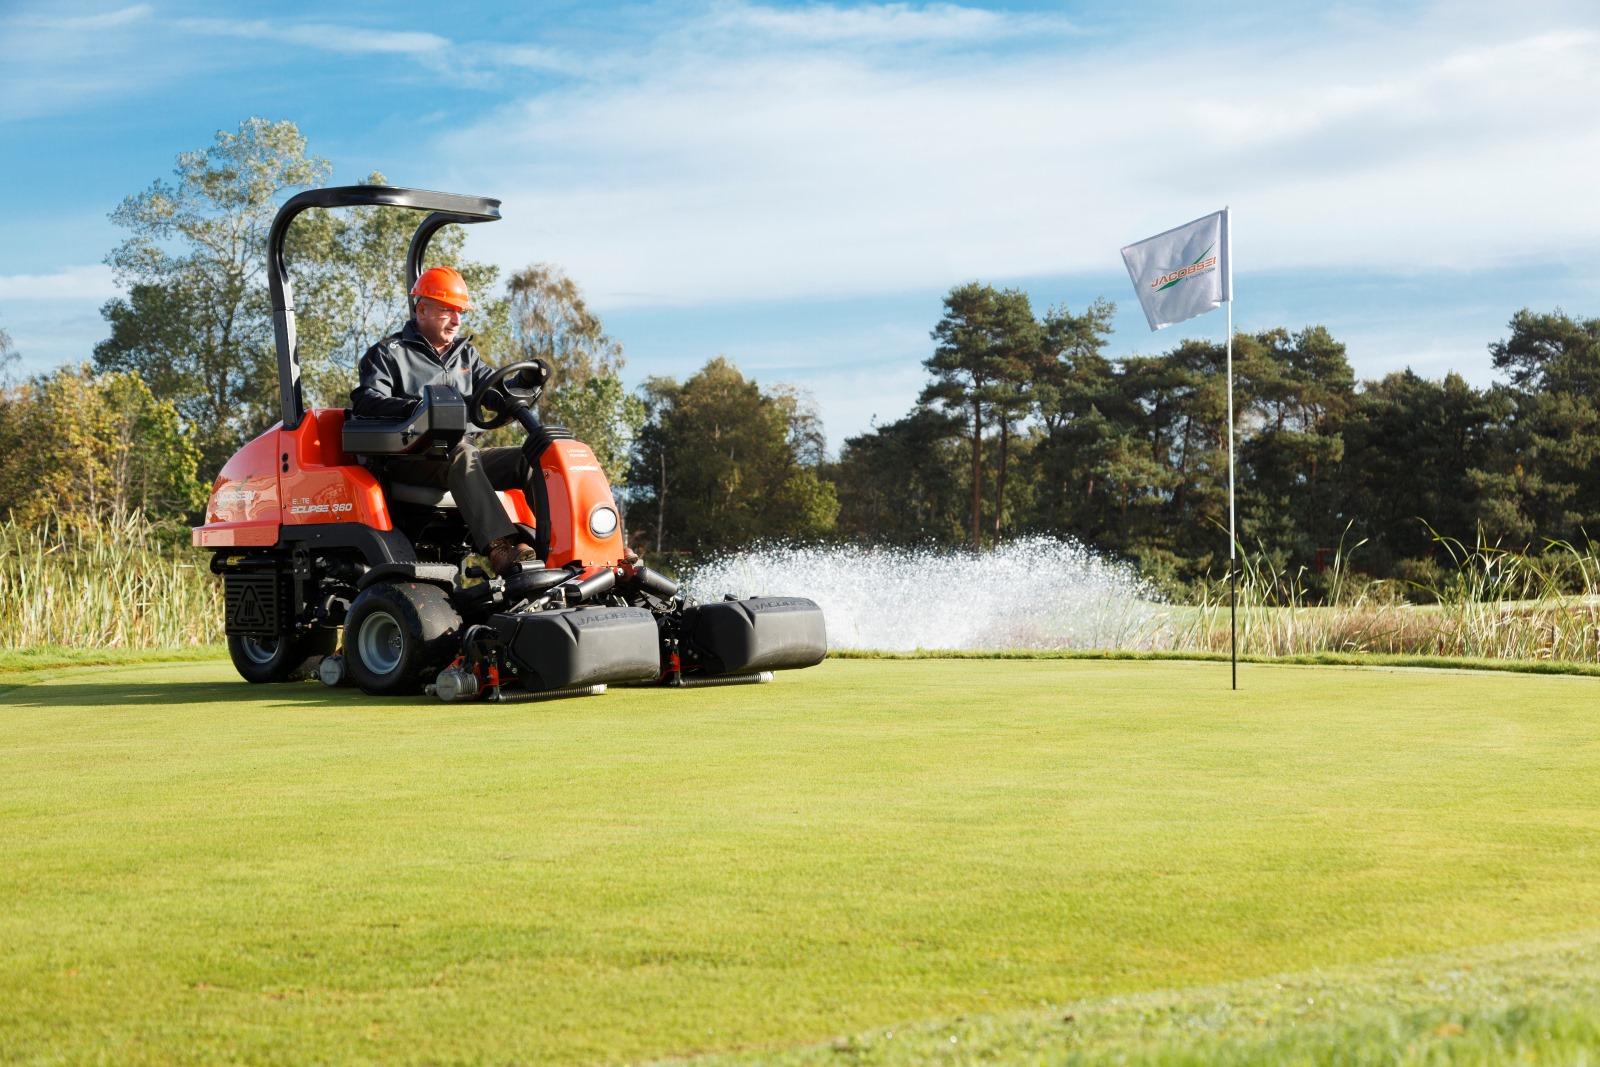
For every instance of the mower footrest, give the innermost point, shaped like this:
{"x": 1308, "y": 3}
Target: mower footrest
{"x": 766, "y": 633}
{"x": 580, "y": 646}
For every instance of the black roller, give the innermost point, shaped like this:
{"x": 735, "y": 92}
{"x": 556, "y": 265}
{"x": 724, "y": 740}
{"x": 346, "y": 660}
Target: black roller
{"x": 770, "y": 633}
{"x": 581, "y": 646}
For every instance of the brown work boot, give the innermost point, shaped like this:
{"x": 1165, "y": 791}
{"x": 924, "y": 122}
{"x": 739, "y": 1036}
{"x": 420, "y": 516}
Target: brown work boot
{"x": 505, "y": 553}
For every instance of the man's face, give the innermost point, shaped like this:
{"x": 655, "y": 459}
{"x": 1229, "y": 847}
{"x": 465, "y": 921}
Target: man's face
{"x": 438, "y": 322}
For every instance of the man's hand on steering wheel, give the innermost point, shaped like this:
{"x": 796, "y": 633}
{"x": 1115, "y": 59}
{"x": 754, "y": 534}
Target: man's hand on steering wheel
{"x": 516, "y": 385}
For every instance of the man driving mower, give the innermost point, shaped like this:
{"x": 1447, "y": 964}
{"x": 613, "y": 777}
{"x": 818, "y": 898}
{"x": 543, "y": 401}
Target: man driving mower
{"x": 429, "y": 350}
{"x": 317, "y": 554}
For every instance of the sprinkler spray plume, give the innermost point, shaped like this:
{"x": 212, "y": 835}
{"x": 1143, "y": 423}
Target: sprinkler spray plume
{"x": 1033, "y": 593}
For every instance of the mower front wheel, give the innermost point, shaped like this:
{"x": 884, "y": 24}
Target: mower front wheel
{"x": 285, "y": 658}
{"x": 398, "y": 635}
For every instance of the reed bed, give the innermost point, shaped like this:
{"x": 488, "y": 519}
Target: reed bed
{"x": 117, "y": 582}
{"x": 1489, "y": 602}
{"x": 124, "y": 582}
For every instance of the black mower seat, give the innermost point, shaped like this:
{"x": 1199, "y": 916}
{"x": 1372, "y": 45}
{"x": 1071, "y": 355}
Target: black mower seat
{"x": 426, "y": 495}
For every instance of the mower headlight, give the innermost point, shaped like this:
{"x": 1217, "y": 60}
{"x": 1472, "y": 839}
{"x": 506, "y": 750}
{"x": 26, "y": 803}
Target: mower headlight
{"x": 603, "y": 521}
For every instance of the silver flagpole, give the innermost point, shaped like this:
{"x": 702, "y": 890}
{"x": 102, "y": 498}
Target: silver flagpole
{"x": 1233, "y": 539}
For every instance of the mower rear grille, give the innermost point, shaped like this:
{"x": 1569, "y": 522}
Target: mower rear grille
{"x": 255, "y": 603}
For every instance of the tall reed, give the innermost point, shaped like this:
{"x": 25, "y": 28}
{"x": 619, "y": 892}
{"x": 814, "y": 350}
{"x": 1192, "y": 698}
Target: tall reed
{"x": 125, "y": 582}
{"x": 118, "y": 582}
{"x": 1489, "y": 602}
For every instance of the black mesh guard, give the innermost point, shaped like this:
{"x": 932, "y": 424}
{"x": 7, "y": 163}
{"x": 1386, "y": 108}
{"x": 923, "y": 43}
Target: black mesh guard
{"x": 254, "y": 603}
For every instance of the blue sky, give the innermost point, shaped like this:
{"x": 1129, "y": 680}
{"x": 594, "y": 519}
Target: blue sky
{"x": 796, "y": 186}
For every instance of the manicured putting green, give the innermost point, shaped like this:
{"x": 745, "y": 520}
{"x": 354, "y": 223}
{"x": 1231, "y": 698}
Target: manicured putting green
{"x": 198, "y": 871}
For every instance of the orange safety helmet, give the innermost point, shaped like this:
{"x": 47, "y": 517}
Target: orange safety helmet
{"x": 445, "y": 285}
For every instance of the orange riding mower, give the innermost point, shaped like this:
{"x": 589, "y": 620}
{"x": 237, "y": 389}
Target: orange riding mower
{"x": 315, "y": 546}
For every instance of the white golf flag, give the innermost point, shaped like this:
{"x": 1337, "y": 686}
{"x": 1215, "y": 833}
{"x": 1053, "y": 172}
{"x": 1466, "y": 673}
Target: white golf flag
{"x": 1183, "y": 272}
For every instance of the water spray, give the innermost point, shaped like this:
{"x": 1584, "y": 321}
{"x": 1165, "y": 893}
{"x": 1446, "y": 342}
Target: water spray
{"x": 1035, "y": 593}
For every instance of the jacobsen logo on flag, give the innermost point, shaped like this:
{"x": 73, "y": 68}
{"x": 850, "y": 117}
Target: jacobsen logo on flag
{"x": 1183, "y": 272}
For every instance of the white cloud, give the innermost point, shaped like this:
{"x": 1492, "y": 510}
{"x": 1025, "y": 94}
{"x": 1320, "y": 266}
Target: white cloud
{"x": 530, "y": 57}
{"x": 748, "y": 151}
{"x": 852, "y": 401}
{"x": 882, "y": 23}
{"x": 58, "y": 64}
{"x": 92, "y": 282}
{"x": 76, "y": 23}
{"x": 714, "y": 170}
{"x": 54, "y": 318}
{"x": 326, "y": 36}
{"x": 54, "y": 63}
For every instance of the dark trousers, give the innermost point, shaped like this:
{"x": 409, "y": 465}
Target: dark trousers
{"x": 472, "y": 475}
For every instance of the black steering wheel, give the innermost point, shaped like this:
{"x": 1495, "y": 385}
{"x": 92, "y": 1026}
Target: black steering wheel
{"x": 514, "y": 386}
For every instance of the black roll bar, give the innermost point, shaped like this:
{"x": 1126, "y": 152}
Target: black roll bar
{"x": 419, "y": 244}
{"x": 445, "y": 208}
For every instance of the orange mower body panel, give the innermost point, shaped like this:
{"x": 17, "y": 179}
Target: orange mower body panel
{"x": 244, "y": 510}
{"x": 577, "y": 487}
{"x": 302, "y": 477}
{"x": 320, "y": 482}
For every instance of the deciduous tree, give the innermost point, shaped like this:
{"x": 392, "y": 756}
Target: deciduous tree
{"x": 549, "y": 320}
{"x": 717, "y": 467}
{"x": 196, "y": 324}
{"x": 9, "y": 358}
{"x": 75, "y": 445}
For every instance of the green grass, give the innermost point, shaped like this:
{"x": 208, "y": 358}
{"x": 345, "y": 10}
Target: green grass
{"x": 50, "y": 657}
{"x": 197, "y": 871}
{"x": 1535, "y": 1002}
{"x": 1303, "y": 659}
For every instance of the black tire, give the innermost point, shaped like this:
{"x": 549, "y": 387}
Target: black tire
{"x": 398, "y": 636}
{"x": 281, "y": 659}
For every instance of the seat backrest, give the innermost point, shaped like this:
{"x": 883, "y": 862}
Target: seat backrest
{"x": 324, "y": 445}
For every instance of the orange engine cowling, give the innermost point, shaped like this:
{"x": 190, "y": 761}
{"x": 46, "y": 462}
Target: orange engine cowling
{"x": 585, "y": 525}
{"x": 244, "y": 510}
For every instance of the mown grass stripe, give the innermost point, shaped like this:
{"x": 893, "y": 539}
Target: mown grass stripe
{"x": 202, "y": 871}
{"x": 1534, "y": 1003}
{"x": 1309, "y": 659}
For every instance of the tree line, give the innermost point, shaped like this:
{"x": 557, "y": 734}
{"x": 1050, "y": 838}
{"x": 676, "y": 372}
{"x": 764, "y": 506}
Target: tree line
{"x": 1025, "y": 425}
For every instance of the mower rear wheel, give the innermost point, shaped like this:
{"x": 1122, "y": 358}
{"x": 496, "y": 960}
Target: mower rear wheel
{"x": 398, "y": 635}
{"x": 286, "y": 658}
